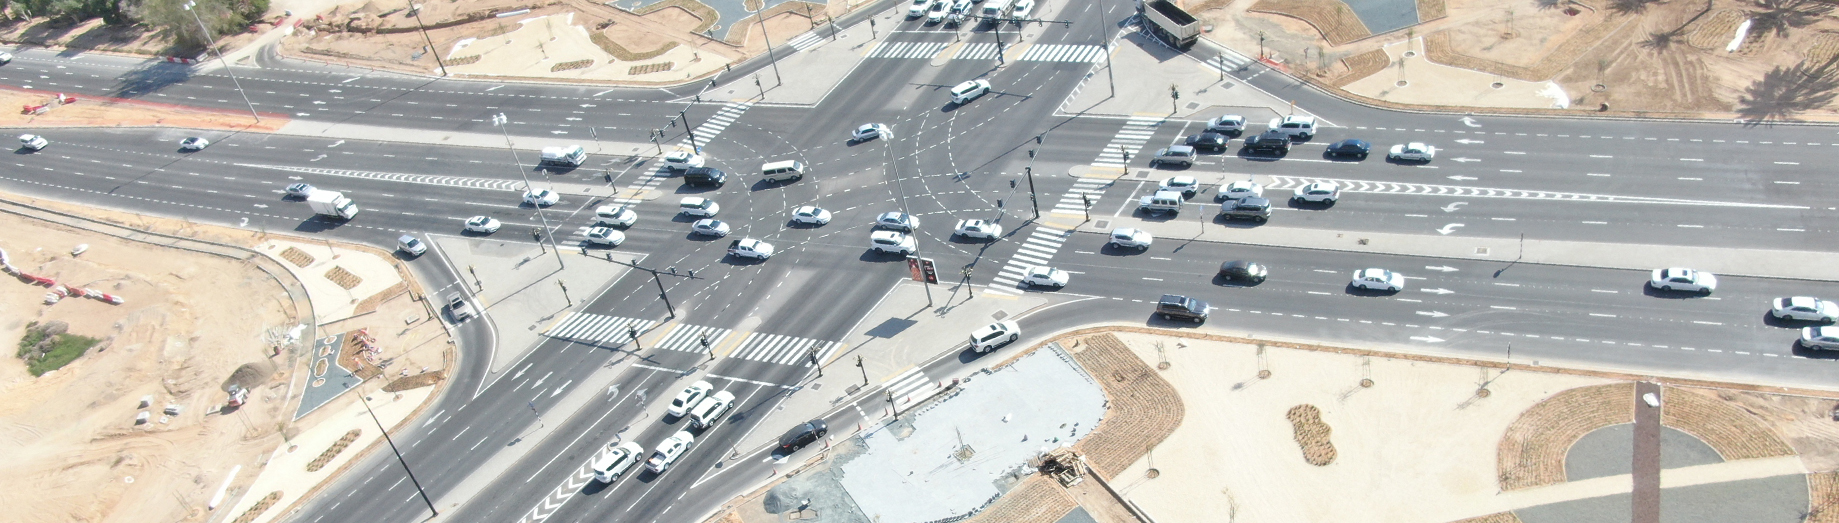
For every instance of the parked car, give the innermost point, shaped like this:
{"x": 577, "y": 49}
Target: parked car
{"x": 1350, "y": 147}
{"x": 1805, "y": 308}
{"x": 1412, "y": 152}
{"x": 1681, "y": 279}
{"x": 483, "y": 224}
{"x": 804, "y": 434}
{"x": 1131, "y": 238}
{"x": 1174, "y": 307}
{"x": 978, "y": 229}
{"x": 1379, "y": 280}
{"x": 995, "y": 335}
{"x": 1245, "y": 271}
{"x": 811, "y": 215}
{"x": 1044, "y": 276}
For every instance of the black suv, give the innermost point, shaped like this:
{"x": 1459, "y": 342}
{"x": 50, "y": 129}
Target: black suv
{"x": 1182, "y": 307}
{"x": 705, "y": 176}
{"x": 1211, "y": 141}
{"x": 1272, "y": 141}
{"x": 1252, "y": 208}
{"x": 804, "y": 434}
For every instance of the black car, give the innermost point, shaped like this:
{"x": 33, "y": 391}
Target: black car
{"x": 1241, "y": 270}
{"x": 1272, "y": 141}
{"x": 1173, "y": 307}
{"x": 1350, "y": 147}
{"x": 1248, "y": 208}
{"x": 705, "y": 176}
{"x": 1210, "y": 141}
{"x": 803, "y": 434}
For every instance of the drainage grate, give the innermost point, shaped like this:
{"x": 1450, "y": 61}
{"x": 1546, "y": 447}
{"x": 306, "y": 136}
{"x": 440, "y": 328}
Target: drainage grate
{"x": 1481, "y": 251}
{"x": 1102, "y": 224}
{"x": 999, "y": 315}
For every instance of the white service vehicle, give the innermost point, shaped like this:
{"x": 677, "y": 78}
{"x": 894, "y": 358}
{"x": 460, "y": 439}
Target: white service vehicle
{"x": 332, "y": 204}
{"x": 965, "y": 92}
{"x": 571, "y": 155}
{"x": 33, "y": 141}
{"x": 750, "y": 248}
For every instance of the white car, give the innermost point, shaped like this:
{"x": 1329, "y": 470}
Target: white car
{"x": 699, "y": 207}
{"x": 6, "y": 58}
{"x": 299, "y": 189}
{"x": 1412, "y": 152}
{"x": 811, "y": 215}
{"x": 482, "y": 224}
{"x": 1046, "y": 277}
{"x": 1133, "y": 238}
{"x": 1230, "y": 123}
{"x": 688, "y": 398}
{"x": 751, "y": 248}
{"x": 1822, "y": 338}
{"x": 1320, "y": 192}
{"x": 891, "y": 241}
{"x": 668, "y": 451}
{"x": 1242, "y": 189}
{"x": 682, "y": 160}
{"x": 995, "y": 335}
{"x": 710, "y": 227}
{"x": 1186, "y": 185}
{"x": 965, "y": 92}
{"x": 1805, "y": 308}
{"x": 870, "y": 131}
{"x": 616, "y": 461}
{"x": 33, "y": 141}
{"x": 1298, "y": 127}
{"x": 899, "y": 221}
{"x": 194, "y": 143}
{"x": 919, "y": 7}
{"x": 1379, "y": 280}
{"x": 936, "y": 13}
{"x": 615, "y": 216}
{"x": 411, "y": 245}
{"x": 1678, "y": 279}
{"x": 1021, "y": 10}
{"x": 710, "y": 411}
{"x": 605, "y": 236}
{"x": 541, "y": 197}
{"x": 979, "y": 229}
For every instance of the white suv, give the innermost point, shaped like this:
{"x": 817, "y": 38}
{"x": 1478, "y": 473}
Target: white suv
{"x": 617, "y": 460}
{"x": 995, "y": 335}
{"x": 1297, "y": 127}
{"x": 682, "y": 160}
{"x": 891, "y": 241}
{"x": 1320, "y": 192}
{"x": 1133, "y": 238}
{"x": 965, "y": 92}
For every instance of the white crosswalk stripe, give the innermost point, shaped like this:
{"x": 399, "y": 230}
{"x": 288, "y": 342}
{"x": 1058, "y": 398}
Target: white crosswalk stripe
{"x": 689, "y": 338}
{"x": 1038, "y": 249}
{"x": 806, "y": 41}
{"x": 1084, "y": 191}
{"x": 422, "y": 179}
{"x": 907, "y": 49}
{"x": 1283, "y": 183}
{"x": 1064, "y": 53}
{"x": 784, "y": 350}
{"x": 597, "y": 328}
{"x": 907, "y": 383}
{"x": 1228, "y": 62}
{"x": 977, "y": 51}
{"x": 705, "y": 133}
{"x": 1130, "y": 139}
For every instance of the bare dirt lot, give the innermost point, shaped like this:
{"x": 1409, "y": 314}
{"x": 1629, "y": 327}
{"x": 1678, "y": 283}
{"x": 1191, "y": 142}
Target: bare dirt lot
{"x": 74, "y": 449}
{"x": 90, "y": 112}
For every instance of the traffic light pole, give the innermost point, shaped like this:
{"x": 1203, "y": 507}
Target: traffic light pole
{"x": 657, "y": 276}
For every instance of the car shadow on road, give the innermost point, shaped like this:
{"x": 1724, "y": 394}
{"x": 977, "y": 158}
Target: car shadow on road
{"x": 1796, "y": 349}
{"x": 1259, "y": 156}
{"x": 1236, "y": 224}
{"x": 1308, "y": 205}
{"x": 874, "y": 256}
{"x": 1111, "y": 249}
{"x": 1365, "y": 292}
{"x": 1330, "y": 156}
{"x": 1652, "y": 292}
{"x": 1156, "y": 320}
{"x": 318, "y": 224}
{"x": 1772, "y": 321}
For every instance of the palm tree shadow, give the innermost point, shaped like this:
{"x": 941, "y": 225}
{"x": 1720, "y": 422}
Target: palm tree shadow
{"x": 1789, "y": 90}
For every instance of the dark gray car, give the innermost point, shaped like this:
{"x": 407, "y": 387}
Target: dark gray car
{"x": 1254, "y": 209}
{"x": 1272, "y": 141}
{"x": 705, "y": 176}
{"x": 1173, "y": 307}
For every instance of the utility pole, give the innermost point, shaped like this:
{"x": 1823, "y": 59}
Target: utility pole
{"x": 416, "y": 10}
{"x": 684, "y": 114}
{"x": 865, "y": 370}
{"x": 502, "y": 122}
{"x": 398, "y": 453}
{"x": 1029, "y": 170}
{"x": 1105, "y": 25}
{"x": 226, "y": 63}
{"x": 761, "y": 14}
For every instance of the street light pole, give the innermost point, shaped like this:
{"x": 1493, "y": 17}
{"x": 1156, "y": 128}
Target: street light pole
{"x": 1105, "y": 25}
{"x": 398, "y": 452}
{"x": 416, "y": 10}
{"x": 769, "y": 46}
{"x": 501, "y": 121}
{"x": 226, "y": 63}
{"x": 684, "y": 115}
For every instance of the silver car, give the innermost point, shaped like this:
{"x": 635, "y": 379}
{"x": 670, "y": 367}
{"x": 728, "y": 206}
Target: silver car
{"x": 1805, "y": 308}
{"x": 1821, "y": 338}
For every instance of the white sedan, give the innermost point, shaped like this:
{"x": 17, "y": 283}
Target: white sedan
{"x": 898, "y": 221}
{"x": 1379, "y": 280}
{"x": 1320, "y": 192}
{"x": 1134, "y": 238}
{"x": 870, "y": 131}
{"x": 1046, "y": 277}
{"x": 483, "y": 224}
{"x": 194, "y": 143}
{"x": 979, "y": 229}
{"x": 682, "y": 160}
{"x": 1822, "y": 338}
{"x": 690, "y": 396}
{"x": 1805, "y": 308}
{"x": 541, "y": 197}
{"x": 751, "y": 248}
{"x": 1412, "y": 152}
{"x": 615, "y": 216}
{"x": 1242, "y": 189}
{"x": 1679, "y": 279}
{"x": 605, "y": 236}
{"x": 1186, "y": 185}
{"x": 710, "y": 227}
{"x": 919, "y": 7}
{"x": 811, "y": 215}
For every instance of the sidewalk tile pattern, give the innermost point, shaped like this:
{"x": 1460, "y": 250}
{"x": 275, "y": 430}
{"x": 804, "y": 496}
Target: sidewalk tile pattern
{"x": 1064, "y": 53}
{"x": 597, "y": 328}
{"x": 1038, "y": 249}
{"x": 1144, "y": 409}
{"x": 925, "y": 50}
{"x": 784, "y": 350}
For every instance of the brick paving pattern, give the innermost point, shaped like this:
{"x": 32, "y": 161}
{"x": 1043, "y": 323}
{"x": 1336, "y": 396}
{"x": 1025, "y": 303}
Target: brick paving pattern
{"x": 1143, "y": 409}
{"x": 1823, "y": 497}
{"x": 1037, "y": 499}
{"x": 1731, "y": 431}
{"x": 1498, "y": 517}
{"x": 1533, "y": 449}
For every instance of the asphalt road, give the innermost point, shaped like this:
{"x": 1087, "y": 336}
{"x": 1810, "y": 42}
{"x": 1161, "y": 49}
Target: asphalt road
{"x": 1566, "y": 179}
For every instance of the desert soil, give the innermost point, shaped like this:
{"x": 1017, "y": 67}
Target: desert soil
{"x": 91, "y": 112}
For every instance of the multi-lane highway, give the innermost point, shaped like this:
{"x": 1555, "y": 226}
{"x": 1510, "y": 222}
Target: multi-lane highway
{"x": 1632, "y": 182}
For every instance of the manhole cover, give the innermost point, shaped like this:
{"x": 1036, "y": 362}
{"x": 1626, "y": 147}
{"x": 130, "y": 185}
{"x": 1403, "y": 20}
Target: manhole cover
{"x": 1152, "y": 473}
{"x": 815, "y": 386}
{"x": 1102, "y": 224}
{"x": 1481, "y": 251}
{"x": 999, "y": 315}
{"x": 1192, "y": 105}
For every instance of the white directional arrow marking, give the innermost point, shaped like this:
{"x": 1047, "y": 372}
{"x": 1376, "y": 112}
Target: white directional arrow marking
{"x": 1449, "y": 228}
{"x": 561, "y": 388}
{"x": 1452, "y": 207}
{"x": 1427, "y": 339}
{"x": 1470, "y": 122}
{"x": 261, "y": 206}
{"x": 1437, "y": 291}
{"x": 336, "y": 144}
{"x": 1464, "y": 160}
{"x": 1433, "y": 314}
{"x": 1461, "y": 178}
{"x": 1466, "y": 141}
{"x": 1443, "y": 268}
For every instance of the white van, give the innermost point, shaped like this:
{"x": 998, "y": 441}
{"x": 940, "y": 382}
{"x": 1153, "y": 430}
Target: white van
{"x": 571, "y": 156}
{"x": 616, "y": 461}
{"x": 1161, "y": 202}
{"x": 783, "y": 171}
{"x": 711, "y": 409}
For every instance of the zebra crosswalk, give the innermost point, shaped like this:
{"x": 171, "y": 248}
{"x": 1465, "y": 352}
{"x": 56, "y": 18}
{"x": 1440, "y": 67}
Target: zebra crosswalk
{"x": 907, "y": 49}
{"x": 806, "y": 41}
{"x": 906, "y": 383}
{"x": 1084, "y": 193}
{"x": 1283, "y": 183}
{"x": 1038, "y": 249}
{"x": 784, "y": 350}
{"x": 690, "y": 338}
{"x": 977, "y": 51}
{"x": 1064, "y": 53}
{"x": 1137, "y": 131}
{"x": 1228, "y": 62}
{"x": 597, "y": 328}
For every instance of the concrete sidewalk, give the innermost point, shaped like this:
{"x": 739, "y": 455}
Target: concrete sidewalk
{"x": 515, "y": 284}
{"x": 1760, "y": 263}
{"x": 1205, "y": 91}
